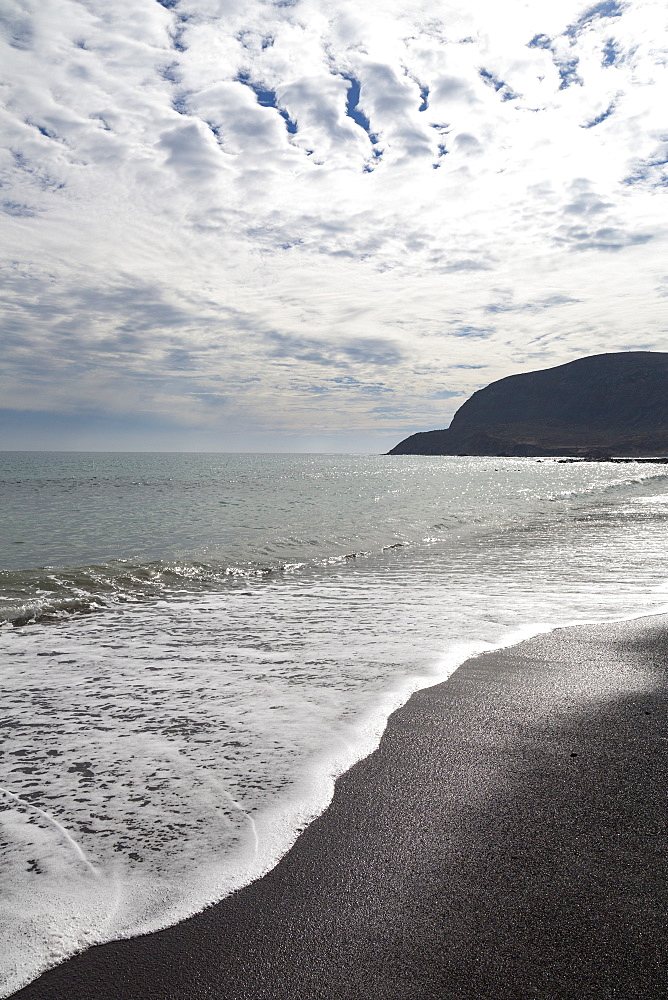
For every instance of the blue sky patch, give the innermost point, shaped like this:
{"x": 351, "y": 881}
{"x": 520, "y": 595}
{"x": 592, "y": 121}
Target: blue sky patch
{"x": 171, "y": 73}
{"x": 568, "y": 71}
{"x": 611, "y": 53}
{"x": 500, "y": 86}
{"x": 653, "y": 172}
{"x": 17, "y": 209}
{"x": 541, "y": 42}
{"x": 609, "y": 8}
{"x": 35, "y": 173}
{"x": 468, "y": 330}
{"x": 267, "y": 99}
{"x": 43, "y": 130}
{"x": 602, "y": 117}
{"x": 180, "y": 105}
{"x": 352, "y": 106}
{"x": 178, "y": 33}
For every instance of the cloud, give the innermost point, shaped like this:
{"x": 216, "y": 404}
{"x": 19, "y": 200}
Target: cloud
{"x": 228, "y": 214}
{"x": 342, "y": 384}
{"x": 603, "y": 116}
{"x": 368, "y": 351}
{"x": 550, "y": 302}
{"x": 606, "y": 238}
{"x": 17, "y": 25}
{"x": 191, "y": 152}
{"x": 651, "y": 171}
{"x": 445, "y": 394}
{"x": 16, "y": 208}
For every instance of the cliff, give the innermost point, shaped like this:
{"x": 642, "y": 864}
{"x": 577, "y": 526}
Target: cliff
{"x": 608, "y": 404}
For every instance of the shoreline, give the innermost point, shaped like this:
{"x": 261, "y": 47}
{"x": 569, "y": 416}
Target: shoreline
{"x": 502, "y": 841}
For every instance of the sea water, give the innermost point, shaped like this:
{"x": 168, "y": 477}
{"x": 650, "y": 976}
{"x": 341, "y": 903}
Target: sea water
{"x": 194, "y": 646}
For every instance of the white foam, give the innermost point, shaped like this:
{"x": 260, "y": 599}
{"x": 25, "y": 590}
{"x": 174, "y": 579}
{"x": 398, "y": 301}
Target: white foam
{"x": 168, "y": 753}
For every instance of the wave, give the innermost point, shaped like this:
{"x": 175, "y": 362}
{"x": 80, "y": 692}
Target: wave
{"x": 52, "y": 593}
{"x": 188, "y": 716}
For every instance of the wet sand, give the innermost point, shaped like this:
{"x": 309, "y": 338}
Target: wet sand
{"x": 506, "y": 840}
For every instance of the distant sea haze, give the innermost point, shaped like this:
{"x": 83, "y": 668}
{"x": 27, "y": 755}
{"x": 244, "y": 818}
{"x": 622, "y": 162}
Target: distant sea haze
{"x": 195, "y": 646}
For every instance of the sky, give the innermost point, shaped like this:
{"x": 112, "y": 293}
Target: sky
{"x": 245, "y": 225}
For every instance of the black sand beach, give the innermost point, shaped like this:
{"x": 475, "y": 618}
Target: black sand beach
{"x": 506, "y": 840}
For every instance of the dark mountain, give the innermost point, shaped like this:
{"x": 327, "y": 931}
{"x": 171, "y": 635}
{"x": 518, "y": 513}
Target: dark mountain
{"x": 607, "y": 404}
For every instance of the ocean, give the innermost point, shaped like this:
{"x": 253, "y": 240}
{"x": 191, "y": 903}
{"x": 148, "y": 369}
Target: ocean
{"x": 194, "y": 647}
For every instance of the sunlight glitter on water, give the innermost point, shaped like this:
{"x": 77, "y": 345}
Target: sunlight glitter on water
{"x": 167, "y": 751}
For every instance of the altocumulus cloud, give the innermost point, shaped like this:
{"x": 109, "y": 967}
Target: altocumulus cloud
{"x": 242, "y": 223}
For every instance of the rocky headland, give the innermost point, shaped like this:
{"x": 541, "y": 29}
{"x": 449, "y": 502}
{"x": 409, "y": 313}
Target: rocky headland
{"x": 599, "y": 407}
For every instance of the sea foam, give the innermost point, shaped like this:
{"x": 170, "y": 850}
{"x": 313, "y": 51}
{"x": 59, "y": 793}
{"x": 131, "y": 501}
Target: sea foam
{"x": 166, "y": 752}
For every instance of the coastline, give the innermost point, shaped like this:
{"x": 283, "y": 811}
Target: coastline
{"x": 503, "y": 841}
